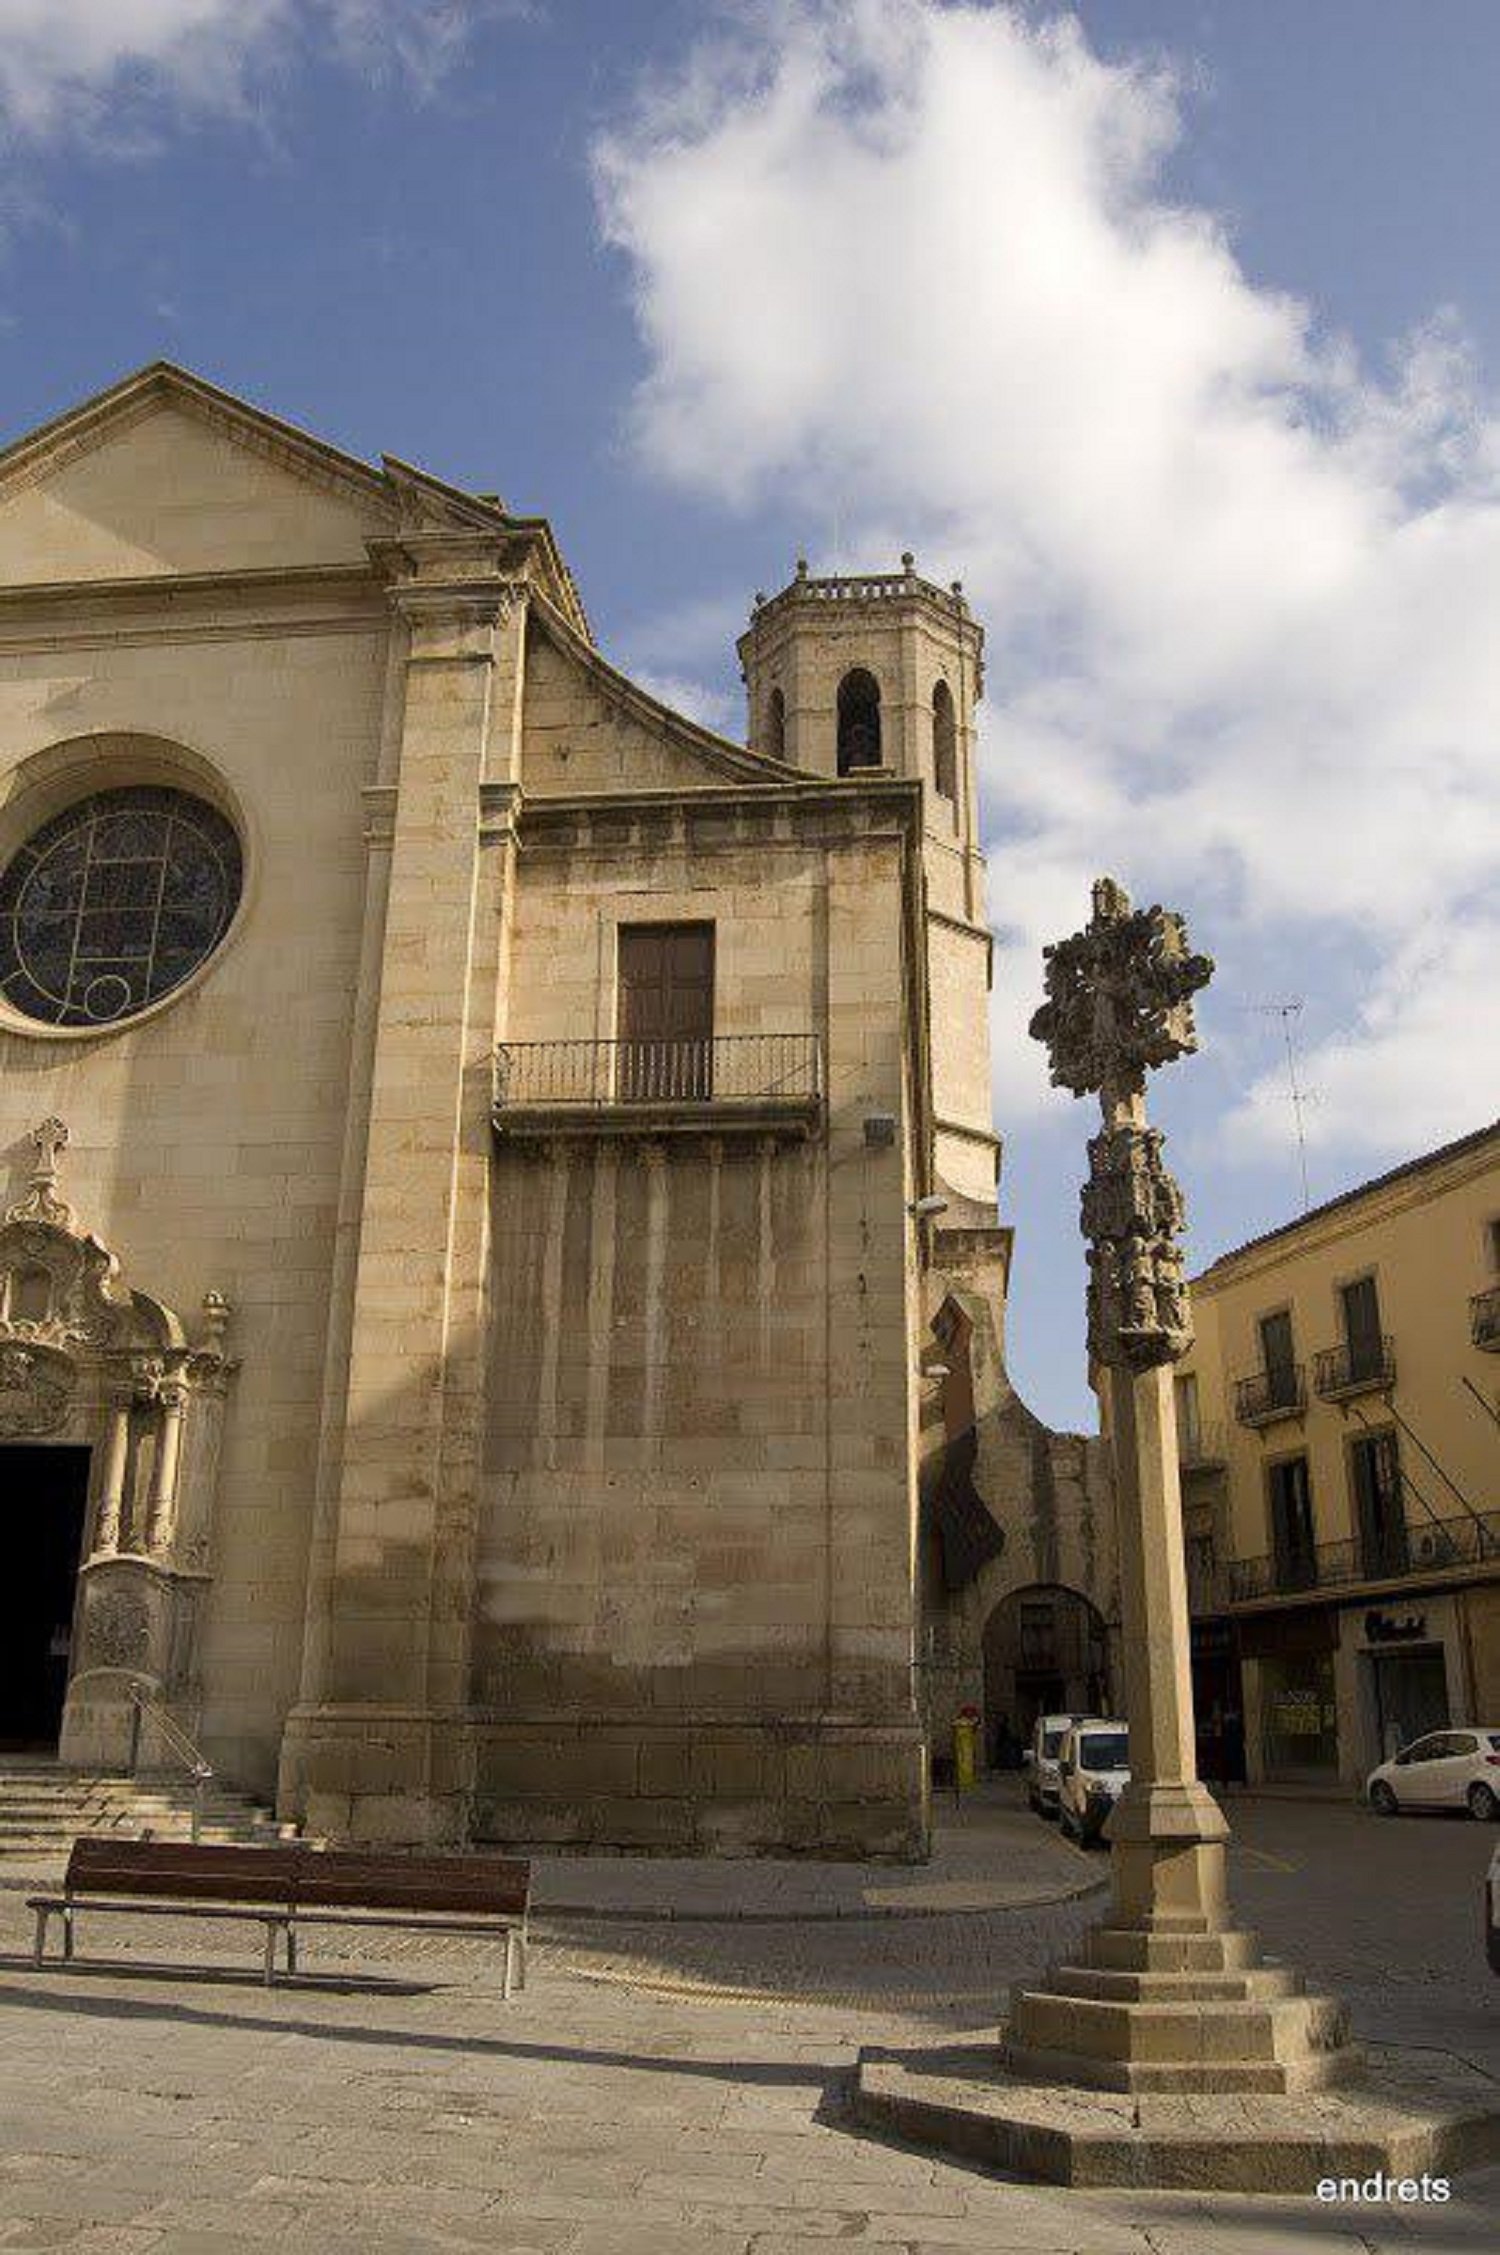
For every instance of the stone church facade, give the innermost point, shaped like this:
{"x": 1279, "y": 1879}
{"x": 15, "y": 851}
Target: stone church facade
{"x": 501, "y": 1289}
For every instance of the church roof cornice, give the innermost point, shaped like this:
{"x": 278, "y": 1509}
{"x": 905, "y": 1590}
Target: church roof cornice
{"x": 408, "y": 496}
{"x": 736, "y": 762}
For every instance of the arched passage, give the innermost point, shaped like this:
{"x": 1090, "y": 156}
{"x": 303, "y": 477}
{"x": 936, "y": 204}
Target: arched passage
{"x": 1044, "y": 1653}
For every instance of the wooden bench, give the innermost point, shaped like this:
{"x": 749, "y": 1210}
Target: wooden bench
{"x": 288, "y": 1888}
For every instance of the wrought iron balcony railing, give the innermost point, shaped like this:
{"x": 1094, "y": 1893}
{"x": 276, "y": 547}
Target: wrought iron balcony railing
{"x": 1357, "y": 1366}
{"x": 1201, "y": 1449}
{"x": 1393, "y": 1554}
{"x": 766, "y": 1080}
{"x": 1268, "y": 1394}
{"x": 1484, "y": 1319}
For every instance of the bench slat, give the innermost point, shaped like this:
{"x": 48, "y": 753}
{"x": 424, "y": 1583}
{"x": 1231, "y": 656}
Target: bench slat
{"x": 177, "y": 1871}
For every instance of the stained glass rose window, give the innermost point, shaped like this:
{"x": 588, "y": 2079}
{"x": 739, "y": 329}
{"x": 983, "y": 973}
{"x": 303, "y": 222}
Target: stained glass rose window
{"x": 112, "y": 904}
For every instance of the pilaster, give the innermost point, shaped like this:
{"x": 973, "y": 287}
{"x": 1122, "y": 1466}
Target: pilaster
{"x": 379, "y": 1749}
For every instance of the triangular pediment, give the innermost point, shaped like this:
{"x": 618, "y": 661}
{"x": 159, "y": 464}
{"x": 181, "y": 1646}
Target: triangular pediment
{"x": 166, "y": 475}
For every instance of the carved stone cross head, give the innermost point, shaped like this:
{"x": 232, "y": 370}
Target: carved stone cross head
{"x": 1119, "y": 1000}
{"x": 41, "y": 1202}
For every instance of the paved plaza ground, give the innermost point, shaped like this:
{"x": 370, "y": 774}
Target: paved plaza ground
{"x": 674, "y": 2085}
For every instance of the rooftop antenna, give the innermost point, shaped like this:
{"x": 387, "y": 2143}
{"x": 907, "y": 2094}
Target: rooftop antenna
{"x": 1289, "y": 1013}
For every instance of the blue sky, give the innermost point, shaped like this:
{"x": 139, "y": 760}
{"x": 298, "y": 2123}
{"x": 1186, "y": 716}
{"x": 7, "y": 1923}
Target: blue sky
{"x": 1172, "y": 328}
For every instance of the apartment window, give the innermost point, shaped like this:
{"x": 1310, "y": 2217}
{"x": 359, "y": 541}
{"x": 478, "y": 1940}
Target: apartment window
{"x": 1038, "y": 1633}
{"x": 666, "y": 1011}
{"x": 1293, "y": 1545}
{"x": 1359, "y": 1308}
{"x": 1492, "y": 1243}
{"x": 1189, "y": 1427}
{"x": 1278, "y": 1355}
{"x": 1379, "y": 1514}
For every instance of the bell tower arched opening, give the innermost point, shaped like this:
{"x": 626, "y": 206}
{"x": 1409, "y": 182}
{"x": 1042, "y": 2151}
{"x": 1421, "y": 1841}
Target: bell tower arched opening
{"x": 944, "y": 744}
{"x": 859, "y": 721}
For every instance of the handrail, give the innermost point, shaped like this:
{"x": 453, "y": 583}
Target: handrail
{"x": 151, "y": 1707}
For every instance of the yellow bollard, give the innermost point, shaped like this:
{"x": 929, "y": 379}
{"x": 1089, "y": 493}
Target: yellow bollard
{"x": 965, "y": 1749}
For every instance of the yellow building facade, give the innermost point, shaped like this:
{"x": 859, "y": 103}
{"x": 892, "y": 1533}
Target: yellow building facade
{"x": 1339, "y": 1422}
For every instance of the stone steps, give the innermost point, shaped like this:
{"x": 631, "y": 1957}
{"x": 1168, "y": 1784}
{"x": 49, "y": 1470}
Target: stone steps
{"x": 44, "y": 1808}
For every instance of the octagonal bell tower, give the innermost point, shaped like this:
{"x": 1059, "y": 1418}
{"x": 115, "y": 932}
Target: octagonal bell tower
{"x": 878, "y": 674}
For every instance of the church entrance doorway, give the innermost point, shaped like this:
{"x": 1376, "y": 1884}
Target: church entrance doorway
{"x": 43, "y": 1498}
{"x": 1044, "y": 1654}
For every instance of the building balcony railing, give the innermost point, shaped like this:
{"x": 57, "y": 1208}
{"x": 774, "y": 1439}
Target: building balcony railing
{"x": 1396, "y": 1554}
{"x": 761, "y": 1083}
{"x": 1202, "y": 1449}
{"x": 1205, "y": 1587}
{"x": 1484, "y": 1319}
{"x": 1357, "y": 1366}
{"x": 1268, "y": 1394}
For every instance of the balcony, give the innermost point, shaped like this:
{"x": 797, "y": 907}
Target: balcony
{"x": 1404, "y": 1555}
{"x": 1267, "y": 1395}
{"x": 1359, "y": 1366}
{"x": 1202, "y": 1449}
{"x": 745, "y": 1084}
{"x": 1484, "y": 1320}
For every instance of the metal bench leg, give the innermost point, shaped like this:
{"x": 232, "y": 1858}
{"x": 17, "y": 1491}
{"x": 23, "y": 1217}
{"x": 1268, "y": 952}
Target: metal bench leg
{"x": 507, "y": 1981}
{"x": 67, "y": 1919}
{"x": 40, "y": 1953}
{"x": 271, "y": 1925}
{"x": 291, "y": 1948}
{"x": 524, "y": 1946}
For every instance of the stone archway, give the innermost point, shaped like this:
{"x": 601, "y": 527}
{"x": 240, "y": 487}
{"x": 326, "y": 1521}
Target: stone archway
{"x": 106, "y": 1377}
{"x": 1045, "y": 1652}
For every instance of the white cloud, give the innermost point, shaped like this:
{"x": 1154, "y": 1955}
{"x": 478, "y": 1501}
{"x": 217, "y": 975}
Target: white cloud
{"x": 697, "y": 700}
{"x": 1398, "y": 1079}
{"x": 107, "y": 66}
{"x": 1241, "y": 590}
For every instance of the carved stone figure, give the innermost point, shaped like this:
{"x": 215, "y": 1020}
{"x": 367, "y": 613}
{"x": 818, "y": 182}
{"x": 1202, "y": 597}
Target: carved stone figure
{"x": 36, "y": 1390}
{"x": 1119, "y": 1002}
{"x": 117, "y": 1629}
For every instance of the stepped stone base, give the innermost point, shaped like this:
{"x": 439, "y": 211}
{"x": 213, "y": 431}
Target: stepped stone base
{"x": 1410, "y": 2112}
{"x": 1177, "y": 2009}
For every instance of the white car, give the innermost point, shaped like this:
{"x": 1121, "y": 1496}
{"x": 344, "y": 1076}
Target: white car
{"x": 1040, "y": 1761}
{"x": 1448, "y": 1769}
{"x": 1093, "y": 1771}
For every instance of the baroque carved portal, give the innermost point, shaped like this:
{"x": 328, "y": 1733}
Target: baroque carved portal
{"x": 87, "y": 1360}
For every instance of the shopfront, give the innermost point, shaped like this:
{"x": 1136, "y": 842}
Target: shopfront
{"x": 1291, "y": 1696}
{"x": 1402, "y": 1673}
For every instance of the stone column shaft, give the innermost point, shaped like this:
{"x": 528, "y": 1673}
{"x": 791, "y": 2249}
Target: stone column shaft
{"x": 112, "y": 1481}
{"x": 161, "y": 1509}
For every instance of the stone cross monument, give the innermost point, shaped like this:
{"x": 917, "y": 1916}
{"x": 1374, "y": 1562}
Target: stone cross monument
{"x": 1167, "y": 2052}
{"x": 1169, "y": 1998}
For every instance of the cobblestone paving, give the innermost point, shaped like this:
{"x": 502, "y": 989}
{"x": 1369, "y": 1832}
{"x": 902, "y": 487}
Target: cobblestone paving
{"x": 626, "y": 2105}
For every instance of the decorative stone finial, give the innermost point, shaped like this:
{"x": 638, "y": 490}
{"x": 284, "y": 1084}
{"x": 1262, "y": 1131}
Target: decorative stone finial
{"x": 1119, "y": 1003}
{"x": 908, "y": 562}
{"x": 801, "y": 567}
{"x": 41, "y": 1202}
{"x": 1119, "y": 1000}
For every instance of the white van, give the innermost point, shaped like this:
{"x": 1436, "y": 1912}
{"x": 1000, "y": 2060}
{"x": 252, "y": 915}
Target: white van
{"x": 1040, "y": 1761}
{"x": 1093, "y": 1767}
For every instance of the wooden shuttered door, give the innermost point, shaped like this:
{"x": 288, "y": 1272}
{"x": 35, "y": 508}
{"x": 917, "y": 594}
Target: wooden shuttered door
{"x": 666, "y": 1019}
